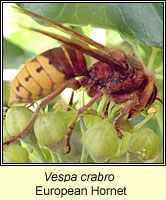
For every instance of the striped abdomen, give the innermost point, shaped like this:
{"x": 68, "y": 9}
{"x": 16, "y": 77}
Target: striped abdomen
{"x": 45, "y": 73}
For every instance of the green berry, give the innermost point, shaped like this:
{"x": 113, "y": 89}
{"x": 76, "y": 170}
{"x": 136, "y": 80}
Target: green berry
{"x": 144, "y": 144}
{"x": 123, "y": 144}
{"x": 15, "y": 154}
{"x": 50, "y": 128}
{"x": 16, "y": 119}
{"x": 101, "y": 140}
{"x": 90, "y": 120}
{"x": 6, "y": 135}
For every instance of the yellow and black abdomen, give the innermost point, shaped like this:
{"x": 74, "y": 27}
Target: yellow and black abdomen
{"x": 45, "y": 73}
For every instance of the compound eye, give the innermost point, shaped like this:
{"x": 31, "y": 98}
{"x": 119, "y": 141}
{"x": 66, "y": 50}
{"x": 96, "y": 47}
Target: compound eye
{"x": 152, "y": 97}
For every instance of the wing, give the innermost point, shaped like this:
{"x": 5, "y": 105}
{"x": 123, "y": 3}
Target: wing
{"x": 82, "y": 43}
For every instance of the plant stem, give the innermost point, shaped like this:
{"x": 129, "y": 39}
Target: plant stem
{"x": 139, "y": 125}
{"x": 159, "y": 76}
{"x": 46, "y": 109}
{"x": 84, "y": 153}
{"x": 61, "y": 157}
{"x": 127, "y": 157}
{"x": 134, "y": 46}
{"x": 81, "y": 99}
{"x": 102, "y": 105}
{"x": 40, "y": 155}
{"x": 83, "y": 129}
{"x": 159, "y": 69}
{"x": 159, "y": 117}
{"x": 54, "y": 156}
{"x": 152, "y": 58}
{"x": 110, "y": 109}
{"x": 32, "y": 142}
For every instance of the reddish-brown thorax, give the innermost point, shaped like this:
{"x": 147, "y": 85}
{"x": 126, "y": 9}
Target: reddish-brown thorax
{"x": 130, "y": 82}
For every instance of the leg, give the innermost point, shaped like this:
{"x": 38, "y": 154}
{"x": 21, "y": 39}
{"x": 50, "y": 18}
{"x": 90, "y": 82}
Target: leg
{"x": 81, "y": 110}
{"x": 5, "y": 109}
{"x": 71, "y": 101}
{"x": 106, "y": 110}
{"x": 48, "y": 99}
{"x": 124, "y": 111}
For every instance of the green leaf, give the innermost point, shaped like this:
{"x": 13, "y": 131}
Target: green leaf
{"x": 140, "y": 21}
{"x": 5, "y": 92}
